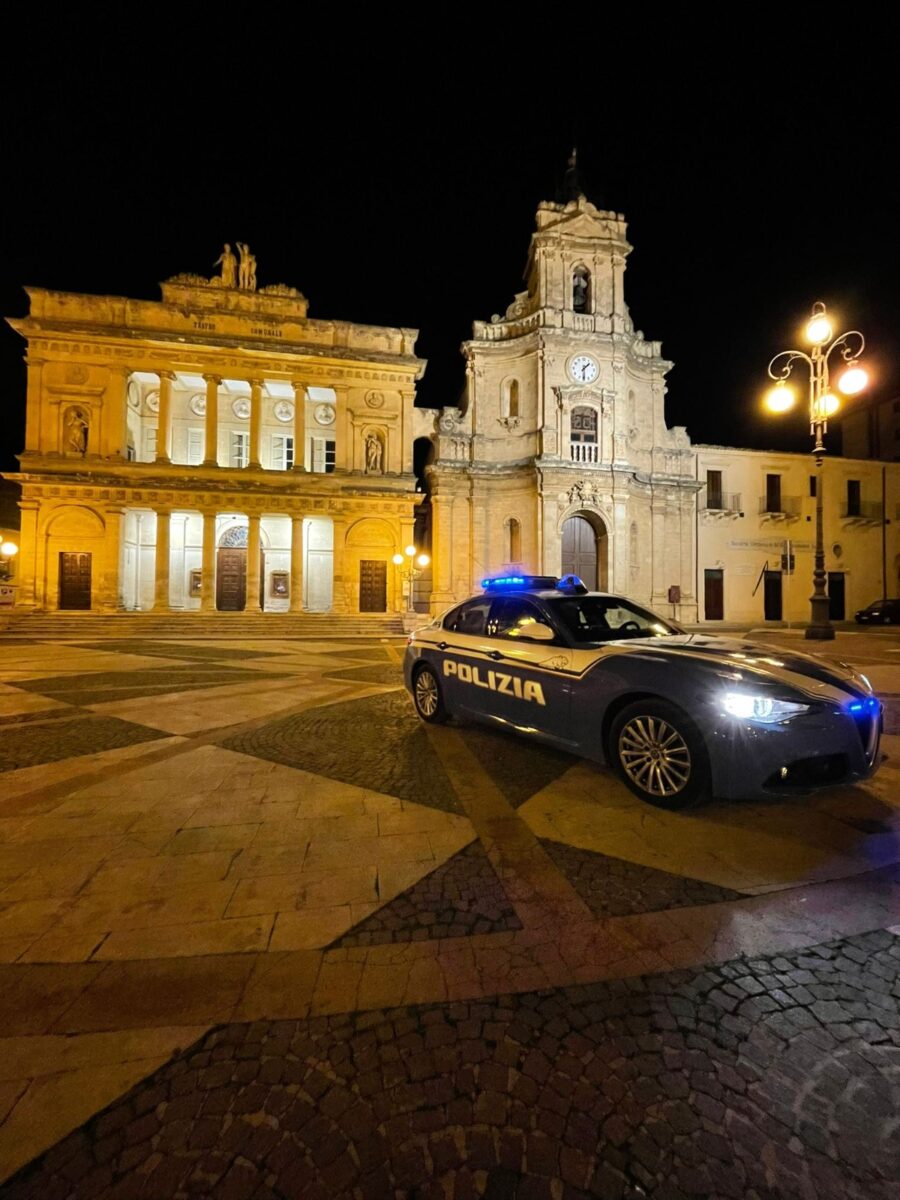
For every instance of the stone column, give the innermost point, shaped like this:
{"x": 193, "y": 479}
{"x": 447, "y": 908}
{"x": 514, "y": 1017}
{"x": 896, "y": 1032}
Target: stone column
{"x": 110, "y": 588}
{"x": 211, "y": 434}
{"x": 296, "y": 564}
{"x": 253, "y": 542}
{"x": 164, "y": 429}
{"x": 208, "y": 585}
{"x": 111, "y": 442}
{"x": 161, "y": 587}
{"x": 256, "y": 390}
{"x": 339, "y": 589}
{"x": 26, "y": 568}
{"x": 299, "y": 424}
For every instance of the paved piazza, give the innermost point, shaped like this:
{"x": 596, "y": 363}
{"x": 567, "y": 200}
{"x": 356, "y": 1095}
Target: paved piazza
{"x": 263, "y": 934}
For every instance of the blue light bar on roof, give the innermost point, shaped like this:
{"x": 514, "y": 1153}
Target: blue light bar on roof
{"x": 518, "y": 583}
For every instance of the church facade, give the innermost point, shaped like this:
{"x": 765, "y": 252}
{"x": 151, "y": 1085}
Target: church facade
{"x": 559, "y": 459}
{"x": 215, "y": 450}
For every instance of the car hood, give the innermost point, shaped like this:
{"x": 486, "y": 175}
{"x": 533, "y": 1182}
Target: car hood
{"x": 754, "y": 659}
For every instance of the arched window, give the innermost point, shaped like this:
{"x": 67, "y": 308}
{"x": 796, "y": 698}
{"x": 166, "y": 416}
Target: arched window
{"x": 513, "y": 541}
{"x": 510, "y": 399}
{"x": 581, "y": 290}
{"x": 583, "y": 437}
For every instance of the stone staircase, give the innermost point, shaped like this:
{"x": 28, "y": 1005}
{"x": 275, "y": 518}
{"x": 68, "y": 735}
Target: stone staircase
{"x": 92, "y": 626}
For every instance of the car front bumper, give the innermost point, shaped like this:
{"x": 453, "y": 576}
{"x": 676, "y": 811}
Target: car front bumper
{"x": 815, "y": 750}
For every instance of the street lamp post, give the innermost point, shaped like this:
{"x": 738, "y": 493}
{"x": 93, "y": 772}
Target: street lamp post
{"x": 412, "y": 566}
{"x": 823, "y": 403}
{"x": 8, "y": 551}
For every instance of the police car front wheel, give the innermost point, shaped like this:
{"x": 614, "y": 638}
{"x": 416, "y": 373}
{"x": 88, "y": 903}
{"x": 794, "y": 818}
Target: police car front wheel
{"x": 660, "y": 754}
{"x": 427, "y": 696}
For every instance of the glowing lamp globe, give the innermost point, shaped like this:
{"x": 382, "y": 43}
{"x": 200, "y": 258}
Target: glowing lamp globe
{"x": 819, "y": 329}
{"x": 853, "y": 380}
{"x": 780, "y": 399}
{"x": 397, "y": 560}
{"x": 9, "y": 549}
{"x": 411, "y": 551}
{"x": 423, "y": 560}
{"x": 828, "y": 404}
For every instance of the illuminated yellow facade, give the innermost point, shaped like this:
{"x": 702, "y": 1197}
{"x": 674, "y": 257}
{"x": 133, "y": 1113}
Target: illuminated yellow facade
{"x": 217, "y": 449}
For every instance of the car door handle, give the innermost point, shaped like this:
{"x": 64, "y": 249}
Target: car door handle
{"x": 442, "y": 645}
{"x": 495, "y": 654}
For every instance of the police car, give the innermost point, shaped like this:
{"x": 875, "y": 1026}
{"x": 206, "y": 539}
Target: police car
{"x": 679, "y": 716}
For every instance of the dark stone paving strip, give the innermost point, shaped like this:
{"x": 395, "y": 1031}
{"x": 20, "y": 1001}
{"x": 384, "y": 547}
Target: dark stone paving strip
{"x": 375, "y": 743}
{"x": 612, "y": 887}
{"x": 47, "y": 714}
{"x": 174, "y": 650}
{"x": 391, "y": 675}
{"x": 462, "y": 897}
{"x": 518, "y": 767}
{"x": 102, "y": 687}
{"x": 32, "y": 745}
{"x": 761, "y": 1079}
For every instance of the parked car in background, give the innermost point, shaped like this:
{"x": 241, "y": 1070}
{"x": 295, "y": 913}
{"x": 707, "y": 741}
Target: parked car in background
{"x": 880, "y": 612}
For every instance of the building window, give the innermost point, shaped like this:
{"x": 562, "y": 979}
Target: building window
{"x": 854, "y": 498}
{"x": 240, "y": 449}
{"x": 583, "y": 436}
{"x": 129, "y": 452}
{"x": 282, "y": 452}
{"x": 773, "y": 493}
{"x": 581, "y": 290}
{"x": 510, "y": 400}
{"x": 322, "y": 457}
{"x": 195, "y": 447}
{"x": 714, "y": 489}
{"x": 813, "y": 486}
{"x": 513, "y": 541}
{"x": 149, "y": 444}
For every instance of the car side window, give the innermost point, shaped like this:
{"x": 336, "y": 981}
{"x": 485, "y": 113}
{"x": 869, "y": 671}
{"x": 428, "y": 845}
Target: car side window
{"x": 509, "y": 614}
{"x": 469, "y": 618}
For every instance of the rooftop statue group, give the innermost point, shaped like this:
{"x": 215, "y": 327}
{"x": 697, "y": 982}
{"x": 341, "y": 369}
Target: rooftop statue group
{"x": 237, "y": 274}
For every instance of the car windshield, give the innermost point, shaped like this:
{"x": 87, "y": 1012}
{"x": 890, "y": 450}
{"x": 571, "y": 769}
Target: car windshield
{"x": 607, "y": 619}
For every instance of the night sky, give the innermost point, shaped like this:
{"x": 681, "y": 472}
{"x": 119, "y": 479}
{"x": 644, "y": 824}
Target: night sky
{"x": 397, "y": 185}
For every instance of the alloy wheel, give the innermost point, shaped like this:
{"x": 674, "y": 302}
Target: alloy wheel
{"x": 654, "y": 756}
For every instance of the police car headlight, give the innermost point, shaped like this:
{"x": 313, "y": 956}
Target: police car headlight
{"x": 764, "y": 709}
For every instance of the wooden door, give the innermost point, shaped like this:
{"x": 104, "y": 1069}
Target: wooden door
{"x": 74, "y": 580}
{"x": 836, "y": 601}
{"x": 772, "y": 595}
{"x": 231, "y": 580}
{"x": 372, "y": 585}
{"x": 714, "y": 595}
{"x": 579, "y": 551}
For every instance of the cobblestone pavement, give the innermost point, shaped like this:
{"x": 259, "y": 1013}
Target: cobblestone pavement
{"x": 759, "y": 1079}
{"x": 418, "y": 961}
{"x": 613, "y": 887}
{"x": 31, "y": 743}
{"x": 464, "y": 896}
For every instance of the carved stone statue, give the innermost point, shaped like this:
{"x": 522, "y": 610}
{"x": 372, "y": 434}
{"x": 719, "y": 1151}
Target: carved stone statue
{"x": 374, "y": 454}
{"x": 228, "y": 263}
{"x": 247, "y": 270}
{"x": 76, "y": 431}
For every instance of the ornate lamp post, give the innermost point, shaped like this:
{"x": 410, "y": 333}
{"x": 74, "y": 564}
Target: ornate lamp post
{"x": 823, "y": 403}
{"x": 8, "y": 551}
{"x": 413, "y": 564}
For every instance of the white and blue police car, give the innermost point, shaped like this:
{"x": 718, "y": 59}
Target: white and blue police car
{"x": 679, "y": 716}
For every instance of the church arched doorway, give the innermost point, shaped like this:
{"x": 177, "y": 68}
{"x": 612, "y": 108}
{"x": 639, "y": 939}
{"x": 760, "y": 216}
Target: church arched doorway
{"x": 584, "y": 550}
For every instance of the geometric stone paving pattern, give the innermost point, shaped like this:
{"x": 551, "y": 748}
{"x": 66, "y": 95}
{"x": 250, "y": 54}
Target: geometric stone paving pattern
{"x": 102, "y": 687}
{"x": 760, "y": 1079}
{"x": 462, "y": 897}
{"x": 367, "y": 743}
{"x": 31, "y": 744}
{"x": 612, "y": 887}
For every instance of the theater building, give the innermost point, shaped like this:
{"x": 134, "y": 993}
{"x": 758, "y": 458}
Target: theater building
{"x": 215, "y": 450}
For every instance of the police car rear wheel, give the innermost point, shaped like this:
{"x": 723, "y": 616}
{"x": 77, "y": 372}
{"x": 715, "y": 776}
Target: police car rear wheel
{"x": 660, "y": 754}
{"x": 427, "y": 696}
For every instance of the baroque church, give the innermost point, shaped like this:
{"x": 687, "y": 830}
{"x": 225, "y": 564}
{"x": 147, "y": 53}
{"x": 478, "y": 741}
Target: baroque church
{"x": 559, "y": 458}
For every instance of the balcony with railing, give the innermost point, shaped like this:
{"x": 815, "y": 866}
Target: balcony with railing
{"x": 717, "y": 505}
{"x": 779, "y": 508}
{"x": 862, "y": 512}
{"x": 584, "y": 452}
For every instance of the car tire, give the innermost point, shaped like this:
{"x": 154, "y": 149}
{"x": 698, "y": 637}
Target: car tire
{"x": 655, "y": 742}
{"x": 887, "y": 621}
{"x": 427, "y": 697}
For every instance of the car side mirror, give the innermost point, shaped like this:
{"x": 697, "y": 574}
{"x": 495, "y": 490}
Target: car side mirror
{"x": 535, "y": 631}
